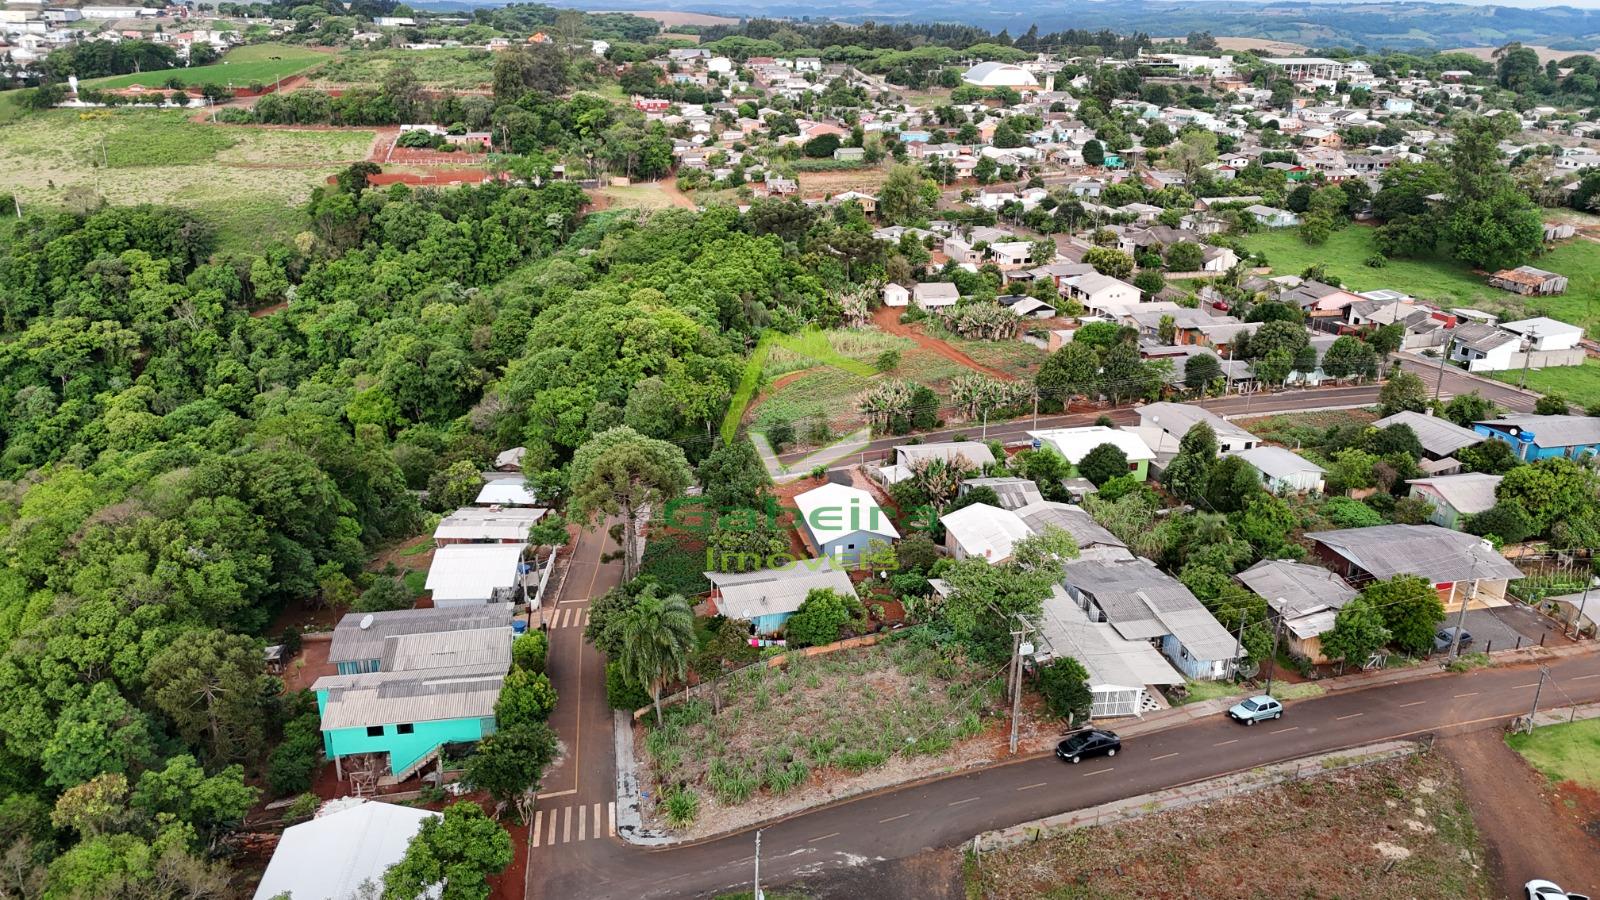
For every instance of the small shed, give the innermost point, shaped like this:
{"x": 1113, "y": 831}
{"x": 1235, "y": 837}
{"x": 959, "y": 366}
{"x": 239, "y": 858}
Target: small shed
{"x": 1283, "y": 471}
{"x": 1527, "y": 280}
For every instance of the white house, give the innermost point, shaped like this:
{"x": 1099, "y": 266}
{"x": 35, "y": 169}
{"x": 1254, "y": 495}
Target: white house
{"x": 506, "y": 492}
{"x": 1283, "y": 471}
{"x": 1121, "y": 670}
{"x": 1545, "y": 333}
{"x": 1484, "y": 348}
{"x": 1175, "y": 419}
{"x": 1075, "y": 443}
{"x": 998, "y": 74}
{"x": 350, "y": 843}
{"x": 1272, "y": 217}
{"x": 1456, "y": 496}
{"x": 983, "y": 531}
{"x": 841, "y": 521}
{"x": 1102, "y": 293}
{"x": 475, "y": 574}
{"x": 1142, "y": 603}
{"x": 896, "y": 295}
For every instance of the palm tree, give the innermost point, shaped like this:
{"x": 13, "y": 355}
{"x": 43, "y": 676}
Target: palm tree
{"x": 657, "y": 637}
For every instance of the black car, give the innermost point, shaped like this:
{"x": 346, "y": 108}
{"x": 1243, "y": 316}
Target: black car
{"x": 1088, "y": 742}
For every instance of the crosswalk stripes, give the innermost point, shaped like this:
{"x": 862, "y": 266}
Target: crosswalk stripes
{"x": 570, "y": 617}
{"x": 589, "y": 820}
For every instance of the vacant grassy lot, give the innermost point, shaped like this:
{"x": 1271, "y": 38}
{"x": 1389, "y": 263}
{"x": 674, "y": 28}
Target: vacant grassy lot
{"x": 241, "y": 67}
{"x": 458, "y": 69}
{"x": 248, "y": 182}
{"x": 645, "y": 195}
{"x": 1301, "y": 429}
{"x": 1398, "y": 829}
{"x": 1440, "y": 280}
{"x": 842, "y": 713}
{"x": 1568, "y": 752}
{"x": 1579, "y": 384}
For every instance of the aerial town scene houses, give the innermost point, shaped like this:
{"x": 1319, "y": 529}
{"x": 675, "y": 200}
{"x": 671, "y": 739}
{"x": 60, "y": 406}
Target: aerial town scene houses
{"x": 530, "y": 452}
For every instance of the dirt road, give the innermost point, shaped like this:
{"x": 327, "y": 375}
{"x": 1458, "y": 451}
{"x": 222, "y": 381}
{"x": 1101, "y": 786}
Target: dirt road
{"x": 888, "y": 319}
{"x": 1528, "y": 831}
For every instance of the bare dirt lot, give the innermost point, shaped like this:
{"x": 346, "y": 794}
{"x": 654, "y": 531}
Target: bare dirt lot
{"x": 1398, "y": 829}
{"x": 820, "y": 184}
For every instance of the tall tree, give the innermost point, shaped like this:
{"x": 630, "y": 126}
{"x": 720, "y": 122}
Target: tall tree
{"x": 212, "y": 685}
{"x": 454, "y": 853}
{"x": 1358, "y": 632}
{"x": 620, "y": 472}
{"x": 1412, "y": 610}
{"x": 657, "y": 638}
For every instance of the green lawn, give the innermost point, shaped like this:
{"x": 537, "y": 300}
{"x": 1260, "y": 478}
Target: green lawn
{"x": 248, "y": 182}
{"x": 1578, "y": 384}
{"x": 1563, "y": 752}
{"x": 452, "y": 68}
{"x": 242, "y": 67}
{"x": 1439, "y": 280}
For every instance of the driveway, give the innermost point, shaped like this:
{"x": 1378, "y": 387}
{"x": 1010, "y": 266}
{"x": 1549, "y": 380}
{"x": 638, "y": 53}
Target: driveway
{"x": 1503, "y": 627}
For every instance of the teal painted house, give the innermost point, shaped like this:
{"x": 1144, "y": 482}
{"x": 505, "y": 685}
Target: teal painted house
{"x": 766, "y": 598}
{"x": 411, "y": 681}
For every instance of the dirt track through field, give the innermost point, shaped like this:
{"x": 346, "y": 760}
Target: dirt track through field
{"x": 887, "y": 318}
{"x": 1529, "y": 833}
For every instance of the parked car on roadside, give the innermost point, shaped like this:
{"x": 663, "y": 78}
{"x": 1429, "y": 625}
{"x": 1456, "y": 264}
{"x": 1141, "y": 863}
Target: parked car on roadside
{"x": 1539, "y": 889}
{"x": 1088, "y": 742}
{"x": 1255, "y": 709}
{"x": 1441, "y": 639}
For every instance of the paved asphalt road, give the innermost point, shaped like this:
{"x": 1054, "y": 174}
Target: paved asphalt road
{"x": 907, "y": 821}
{"x": 1455, "y": 382}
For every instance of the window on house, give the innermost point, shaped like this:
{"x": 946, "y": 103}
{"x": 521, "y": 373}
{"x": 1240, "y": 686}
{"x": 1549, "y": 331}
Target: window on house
{"x": 374, "y": 731}
{"x": 405, "y": 728}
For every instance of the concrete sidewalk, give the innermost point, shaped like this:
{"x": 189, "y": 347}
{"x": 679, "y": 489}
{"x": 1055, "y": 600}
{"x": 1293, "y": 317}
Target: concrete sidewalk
{"x": 847, "y": 447}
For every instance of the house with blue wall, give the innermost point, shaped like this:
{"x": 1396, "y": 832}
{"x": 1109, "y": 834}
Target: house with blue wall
{"x": 842, "y": 521}
{"x": 432, "y": 685}
{"x": 766, "y": 598}
{"x": 1544, "y": 437}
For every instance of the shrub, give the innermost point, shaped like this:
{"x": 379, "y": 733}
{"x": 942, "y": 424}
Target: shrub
{"x": 780, "y": 435}
{"x": 528, "y": 651}
{"x": 1103, "y": 463}
{"x": 294, "y": 760}
{"x": 819, "y": 471}
{"x": 303, "y": 807}
{"x": 1065, "y": 686}
{"x": 623, "y": 693}
{"x": 888, "y": 361}
{"x": 1347, "y": 513}
{"x": 385, "y": 594}
{"x": 682, "y": 805}
{"x": 818, "y": 620}
{"x": 1377, "y": 261}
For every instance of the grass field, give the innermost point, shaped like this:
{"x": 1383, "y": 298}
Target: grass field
{"x": 457, "y": 69}
{"x": 248, "y": 182}
{"x": 1568, "y": 752}
{"x": 1578, "y": 384}
{"x": 241, "y": 67}
{"x": 645, "y": 195}
{"x": 1397, "y": 829}
{"x": 1440, "y": 280}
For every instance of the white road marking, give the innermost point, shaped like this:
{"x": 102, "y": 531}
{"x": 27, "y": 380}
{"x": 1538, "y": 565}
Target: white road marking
{"x": 1226, "y": 743}
{"x": 1163, "y": 756}
{"x": 611, "y": 818}
{"x": 959, "y": 802}
{"x": 1100, "y": 771}
{"x": 823, "y": 837}
{"x": 1282, "y": 730}
{"x": 566, "y": 826}
{"x": 1351, "y": 716}
{"x": 551, "y": 838}
{"x": 1413, "y": 703}
{"x": 1029, "y": 787}
{"x": 1528, "y": 685}
{"x": 1468, "y": 694}
{"x": 538, "y": 826}
{"x": 583, "y": 823}
{"x": 558, "y": 794}
{"x": 1582, "y": 677}
{"x": 894, "y": 818}
{"x": 597, "y": 820}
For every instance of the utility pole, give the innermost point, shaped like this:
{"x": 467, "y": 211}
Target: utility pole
{"x": 1438, "y": 386}
{"x": 1544, "y": 672}
{"x": 756, "y": 895}
{"x": 1577, "y": 621}
{"x": 1527, "y": 355}
{"x": 1272, "y": 655}
{"x": 985, "y": 423}
{"x": 1021, "y": 647}
{"x": 1035, "y": 401}
{"x": 1461, "y": 618}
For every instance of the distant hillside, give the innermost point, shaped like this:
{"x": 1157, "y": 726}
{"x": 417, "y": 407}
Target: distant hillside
{"x": 1405, "y": 25}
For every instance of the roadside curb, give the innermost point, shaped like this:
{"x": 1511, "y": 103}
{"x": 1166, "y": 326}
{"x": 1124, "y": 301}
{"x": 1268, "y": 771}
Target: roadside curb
{"x": 1189, "y": 795}
{"x": 630, "y": 803}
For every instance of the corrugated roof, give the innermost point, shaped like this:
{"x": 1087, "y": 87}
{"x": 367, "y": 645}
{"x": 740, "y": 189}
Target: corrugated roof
{"x": 473, "y": 571}
{"x": 488, "y": 523}
{"x": 1439, "y": 437}
{"x": 487, "y": 647}
{"x": 352, "y": 642}
{"x": 783, "y": 593}
{"x": 506, "y": 492}
{"x": 1276, "y": 462}
{"x": 332, "y": 855}
{"x": 1178, "y": 418}
{"x": 835, "y": 510}
{"x": 1111, "y": 660}
{"x": 1140, "y": 601}
{"x": 1467, "y": 493}
{"x": 1014, "y": 493}
{"x": 1437, "y": 554}
{"x": 975, "y": 453}
{"x": 1552, "y": 431}
{"x": 1296, "y": 589}
{"x": 1075, "y": 443}
{"x": 1071, "y": 519}
{"x": 987, "y": 532}
{"x": 413, "y": 700}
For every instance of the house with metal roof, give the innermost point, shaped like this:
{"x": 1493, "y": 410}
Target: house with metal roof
{"x": 487, "y": 525}
{"x": 506, "y": 492}
{"x": 1093, "y": 540}
{"x": 983, "y": 531}
{"x": 360, "y": 638}
{"x": 1284, "y": 471}
{"x": 766, "y": 598}
{"x": 1175, "y": 419}
{"x": 1439, "y": 437}
{"x": 1483, "y": 348}
{"x": 966, "y": 454}
{"x": 475, "y": 574}
{"x": 1456, "y": 496}
{"x": 431, "y": 687}
{"x": 1541, "y": 437}
{"x": 349, "y": 844}
{"x": 1451, "y": 561}
{"x": 1121, "y": 671}
{"x": 1142, "y": 603}
{"x": 1306, "y": 598}
{"x": 841, "y": 521}
{"x": 1075, "y": 443}
{"x": 1013, "y": 492}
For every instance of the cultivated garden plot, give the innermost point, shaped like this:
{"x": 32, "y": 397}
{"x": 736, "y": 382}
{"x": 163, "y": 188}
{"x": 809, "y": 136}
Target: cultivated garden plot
{"x": 819, "y": 728}
{"x": 1398, "y": 829}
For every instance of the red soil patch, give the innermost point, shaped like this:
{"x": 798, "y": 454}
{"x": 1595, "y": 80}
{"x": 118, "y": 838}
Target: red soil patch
{"x": 435, "y": 179}
{"x": 888, "y": 319}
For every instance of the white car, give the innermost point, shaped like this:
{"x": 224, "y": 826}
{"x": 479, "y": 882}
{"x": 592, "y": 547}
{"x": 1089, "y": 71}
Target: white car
{"x": 1539, "y": 889}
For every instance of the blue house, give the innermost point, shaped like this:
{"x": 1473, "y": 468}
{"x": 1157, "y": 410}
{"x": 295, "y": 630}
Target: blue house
{"x": 1543, "y": 437}
{"x": 841, "y": 521}
{"x": 915, "y": 137}
{"x": 430, "y": 686}
{"x": 768, "y": 597}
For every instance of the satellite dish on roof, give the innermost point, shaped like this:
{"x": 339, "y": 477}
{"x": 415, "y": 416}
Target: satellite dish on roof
{"x": 366, "y": 621}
